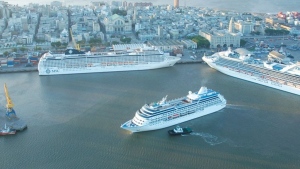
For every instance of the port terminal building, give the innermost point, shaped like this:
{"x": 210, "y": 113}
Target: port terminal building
{"x": 221, "y": 38}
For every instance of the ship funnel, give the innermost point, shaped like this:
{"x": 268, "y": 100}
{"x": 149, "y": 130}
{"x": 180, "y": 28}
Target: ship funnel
{"x": 202, "y": 90}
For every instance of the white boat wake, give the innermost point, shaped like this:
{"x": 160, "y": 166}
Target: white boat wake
{"x": 235, "y": 106}
{"x": 210, "y": 139}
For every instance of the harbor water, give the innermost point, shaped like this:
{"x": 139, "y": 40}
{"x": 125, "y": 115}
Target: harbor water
{"x": 74, "y": 122}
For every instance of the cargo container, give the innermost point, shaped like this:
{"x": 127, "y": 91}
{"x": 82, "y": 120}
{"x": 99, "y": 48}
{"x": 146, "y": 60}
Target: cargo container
{"x": 34, "y": 62}
{"x": 33, "y": 58}
{"x": 16, "y": 62}
{"x": 23, "y": 60}
{"x": 10, "y": 62}
{"x": 17, "y": 59}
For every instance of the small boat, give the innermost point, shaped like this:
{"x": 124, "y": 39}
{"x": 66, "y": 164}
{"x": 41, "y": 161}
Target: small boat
{"x": 7, "y": 131}
{"x": 178, "y": 131}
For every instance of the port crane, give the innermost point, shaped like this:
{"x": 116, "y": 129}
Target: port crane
{"x": 9, "y": 104}
{"x": 76, "y": 46}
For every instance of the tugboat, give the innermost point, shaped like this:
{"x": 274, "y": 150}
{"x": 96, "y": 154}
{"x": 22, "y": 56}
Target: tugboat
{"x": 178, "y": 131}
{"x": 7, "y": 131}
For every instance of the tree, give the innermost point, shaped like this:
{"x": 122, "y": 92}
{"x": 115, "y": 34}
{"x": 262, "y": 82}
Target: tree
{"x": 56, "y": 44}
{"x": 114, "y": 42}
{"x": 294, "y": 35}
{"x": 269, "y": 31}
{"x": 201, "y": 41}
{"x": 125, "y": 39}
{"x": 257, "y": 19}
{"x": 119, "y": 12}
{"x": 23, "y": 49}
{"x": 14, "y": 49}
{"x": 95, "y": 41}
{"x": 6, "y": 53}
{"x": 243, "y": 42}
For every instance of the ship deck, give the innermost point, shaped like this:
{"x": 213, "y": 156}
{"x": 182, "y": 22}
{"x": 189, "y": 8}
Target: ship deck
{"x": 260, "y": 71}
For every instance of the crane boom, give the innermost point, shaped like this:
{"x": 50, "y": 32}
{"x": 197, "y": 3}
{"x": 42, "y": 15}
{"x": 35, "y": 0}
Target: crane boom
{"x": 76, "y": 46}
{"x": 9, "y": 103}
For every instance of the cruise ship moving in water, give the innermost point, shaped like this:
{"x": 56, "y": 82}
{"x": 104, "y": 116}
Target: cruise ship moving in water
{"x": 75, "y": 61}
{"x": 236, "y": 64}
{"x": 167, "y": 113}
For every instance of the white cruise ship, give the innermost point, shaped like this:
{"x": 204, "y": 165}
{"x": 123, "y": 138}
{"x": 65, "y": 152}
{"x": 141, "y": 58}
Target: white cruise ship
{"x": 167, "y": 113}
{"x": 74, "y": 61}
{"x": 237, "y": 64}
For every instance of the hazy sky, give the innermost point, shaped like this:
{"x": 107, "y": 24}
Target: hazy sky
{"x": 83, "y": 2}
{"x": 265, "y": 6}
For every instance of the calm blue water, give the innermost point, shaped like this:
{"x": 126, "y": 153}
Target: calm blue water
{"x": 74, "y": 122}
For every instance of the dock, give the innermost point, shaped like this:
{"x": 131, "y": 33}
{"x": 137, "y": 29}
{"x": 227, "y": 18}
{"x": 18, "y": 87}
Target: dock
{"x": 189, "y": 61}
{"x": 18, "y": 69}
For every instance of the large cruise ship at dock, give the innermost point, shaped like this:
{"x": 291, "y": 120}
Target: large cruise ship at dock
{"x": 167, "y": 113}
{"x": 74, "y": 61}
{"x": 237, "y": 63}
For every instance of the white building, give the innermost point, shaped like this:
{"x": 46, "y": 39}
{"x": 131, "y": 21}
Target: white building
{"x": 96, "y": 27}
{"x": 244, "y": 27}
{"x": 189, "y": 44}
{"x": 117, "y": 24}
{"x": 166, "y": 45}
{"x": 174, "y": 33}
{"x": 64, "y": 36}
{"x": 221, "y": 38}
{"x": 27, "y": 39}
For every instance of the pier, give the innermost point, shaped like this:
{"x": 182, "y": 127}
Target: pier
{"x": 18, "y": 69}
{"x": 189, "y": 61}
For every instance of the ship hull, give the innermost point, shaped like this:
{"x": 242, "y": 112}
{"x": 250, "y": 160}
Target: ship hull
{"x": 7, "y": 133}
{"x": 164, "y": 124}
{"x": 99, "y": 69}
{"x": 252, "y": 78}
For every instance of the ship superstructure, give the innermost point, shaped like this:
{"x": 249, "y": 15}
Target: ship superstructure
{"x": 74, "y": 61}
{"x": 167, "y": 113}
{"x": 275, "y": 75}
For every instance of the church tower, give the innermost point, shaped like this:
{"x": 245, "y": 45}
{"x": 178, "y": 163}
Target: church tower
{"x": 231, "y": 26}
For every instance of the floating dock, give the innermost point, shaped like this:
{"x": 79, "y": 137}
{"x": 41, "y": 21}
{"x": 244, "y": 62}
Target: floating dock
{"x": 13, "y": 122}
{"x": 8, "y": 117}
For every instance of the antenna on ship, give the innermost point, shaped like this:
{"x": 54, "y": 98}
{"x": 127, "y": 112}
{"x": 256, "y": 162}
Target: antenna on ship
{"x": 9, "y": 104}
{"x": 163, "y": 100}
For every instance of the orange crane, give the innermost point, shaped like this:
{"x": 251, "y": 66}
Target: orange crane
{"x": 9, "y": 103}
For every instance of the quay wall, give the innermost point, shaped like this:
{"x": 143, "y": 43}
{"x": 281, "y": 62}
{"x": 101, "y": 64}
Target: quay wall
{"x": 32, "y": 69}
{"x": 15, "y": 70}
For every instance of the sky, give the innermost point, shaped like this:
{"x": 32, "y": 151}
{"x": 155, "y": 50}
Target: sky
{"x": 80, "y": 2}
{"x": 263, "y": 6}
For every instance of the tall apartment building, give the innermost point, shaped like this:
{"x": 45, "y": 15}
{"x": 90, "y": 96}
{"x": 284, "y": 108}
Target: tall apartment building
{"x": 176, "y": 3}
